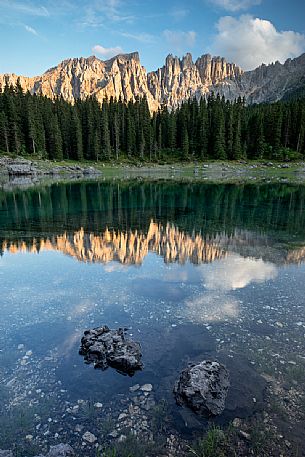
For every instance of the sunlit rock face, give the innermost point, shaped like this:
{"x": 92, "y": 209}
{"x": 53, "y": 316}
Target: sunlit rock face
{"x": 123, "y": 77}
{"x": 120, "y": 77}
{"x": 180, "y": 79}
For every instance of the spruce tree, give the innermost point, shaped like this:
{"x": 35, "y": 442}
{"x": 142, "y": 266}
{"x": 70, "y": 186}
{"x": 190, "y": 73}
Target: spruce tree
{"x": 237, "y": 148}
{"x": 218, "y": 130}
{"x": 4, "y": 144}
{"x": 76, "y": 137}
{"x": 105, "y": 133}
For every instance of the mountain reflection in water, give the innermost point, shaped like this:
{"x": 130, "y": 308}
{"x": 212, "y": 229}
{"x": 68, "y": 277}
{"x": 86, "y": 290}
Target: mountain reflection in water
{"x": 124, "y": 221}
{"x": 131, "y": 248}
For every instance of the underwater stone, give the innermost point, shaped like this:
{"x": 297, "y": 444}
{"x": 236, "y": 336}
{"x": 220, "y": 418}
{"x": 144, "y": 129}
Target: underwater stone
{"x": 104, "y": 347}
{"x": 61, "y": 450}
{"x": 203, "y": 387}
{"x": 134, "y": 388}
{"x": 147, "y": 388}
{"x": 89, "y": 437}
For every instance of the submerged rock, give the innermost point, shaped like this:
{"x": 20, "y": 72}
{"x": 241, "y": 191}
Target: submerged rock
{"x": 89, "y": 437}
{"x": 6, "y": 453}
{"x": 104, "y": 347}
{"x": 61, "y": 450}
{"x": 203, "y": 388}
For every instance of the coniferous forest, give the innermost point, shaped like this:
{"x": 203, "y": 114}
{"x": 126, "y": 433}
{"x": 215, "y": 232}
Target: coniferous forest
{"x": 209, "y": 129}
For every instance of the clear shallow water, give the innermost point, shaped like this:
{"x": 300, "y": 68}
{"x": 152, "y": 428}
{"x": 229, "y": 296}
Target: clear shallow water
{"x": 194, "y": 272}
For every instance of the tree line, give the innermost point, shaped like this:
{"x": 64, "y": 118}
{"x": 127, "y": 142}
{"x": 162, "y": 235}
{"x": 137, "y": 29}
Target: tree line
{"x": 210, "y": 128}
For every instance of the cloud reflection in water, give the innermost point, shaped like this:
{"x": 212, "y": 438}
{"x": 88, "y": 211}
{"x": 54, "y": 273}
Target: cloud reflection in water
{"x": 215, "y": 303}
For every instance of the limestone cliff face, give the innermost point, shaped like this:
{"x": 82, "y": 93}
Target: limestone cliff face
{"x": 179, "y": 79}
{"x": 122, "y": 76}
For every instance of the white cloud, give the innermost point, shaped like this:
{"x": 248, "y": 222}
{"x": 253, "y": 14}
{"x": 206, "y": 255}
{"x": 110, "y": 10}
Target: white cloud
{"x": 180, "y": 40}
{"x": 25, "y": 8}
{"x": 141, "y": 37}
{"x": 30, "y": 30}
{"x": 111, "y": 10}
{"x": 107, "y": 52}
{"x": 235, "y": 5}
{"x": 178, "y": 13}
{"x": 250, "y": 41}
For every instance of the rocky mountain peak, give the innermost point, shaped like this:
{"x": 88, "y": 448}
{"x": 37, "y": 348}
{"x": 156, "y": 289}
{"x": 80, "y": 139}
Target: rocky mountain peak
{"x": 76, "y": 64}
{"x": 124, "y": 77}
{"x": 187, "y": 60}
{"x": 125, "y": 58}
{"x": 180, "y": 79}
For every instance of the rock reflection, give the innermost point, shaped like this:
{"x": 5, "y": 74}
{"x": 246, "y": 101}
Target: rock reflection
{"x": 130, "y": 248}
{"x": 174, "y": 245}
{"x": 181, "y": 222}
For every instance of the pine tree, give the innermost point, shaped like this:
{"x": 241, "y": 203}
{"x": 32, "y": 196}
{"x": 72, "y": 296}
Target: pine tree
{"x": 301, "y": 129}
{"x": 142, "y": 145}
{"x": 105, "y": 133}
{"x": 130, "y": 131}
{"x": 185, "y": 143}
{"x": 10, "y": 110}
{"x": 30, "y": 126}
{"x": 260, "y": 145}
{"x": 53, "y": 134}
{"x": 218, "y": 130}
{"x": 116, "y": 135}
{"x": 76, "y": 137}
{"x": 229, "y": 130}
{"x": 202, "y": 130}
{"x": 4, "y": 145}
{"x": 237, "y": 149}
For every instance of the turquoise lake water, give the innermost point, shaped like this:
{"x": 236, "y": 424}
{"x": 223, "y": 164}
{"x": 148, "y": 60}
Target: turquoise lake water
{"x": 193, "y": 271}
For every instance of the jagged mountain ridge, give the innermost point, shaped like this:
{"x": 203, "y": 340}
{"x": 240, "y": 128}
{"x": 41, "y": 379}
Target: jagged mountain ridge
{"x": 178, "y": 80}
{"x": 267, "y": 83}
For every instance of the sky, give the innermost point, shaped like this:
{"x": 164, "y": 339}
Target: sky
{"x": 37, "y": 35}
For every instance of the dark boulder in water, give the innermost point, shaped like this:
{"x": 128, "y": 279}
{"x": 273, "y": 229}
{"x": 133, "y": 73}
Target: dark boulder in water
{"x": 203, "y": 387}
{"x": 110, "y": 348}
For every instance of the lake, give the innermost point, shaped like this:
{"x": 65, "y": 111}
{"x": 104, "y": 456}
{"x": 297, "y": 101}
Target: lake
{"x": 194, "y": 271}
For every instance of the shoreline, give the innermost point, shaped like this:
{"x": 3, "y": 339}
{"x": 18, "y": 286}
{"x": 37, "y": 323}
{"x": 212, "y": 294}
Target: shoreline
{"x": 25, "y": 172}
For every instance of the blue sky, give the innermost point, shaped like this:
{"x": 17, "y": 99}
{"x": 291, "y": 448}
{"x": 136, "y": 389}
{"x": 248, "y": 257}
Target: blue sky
{"x": 36, "y": 35}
